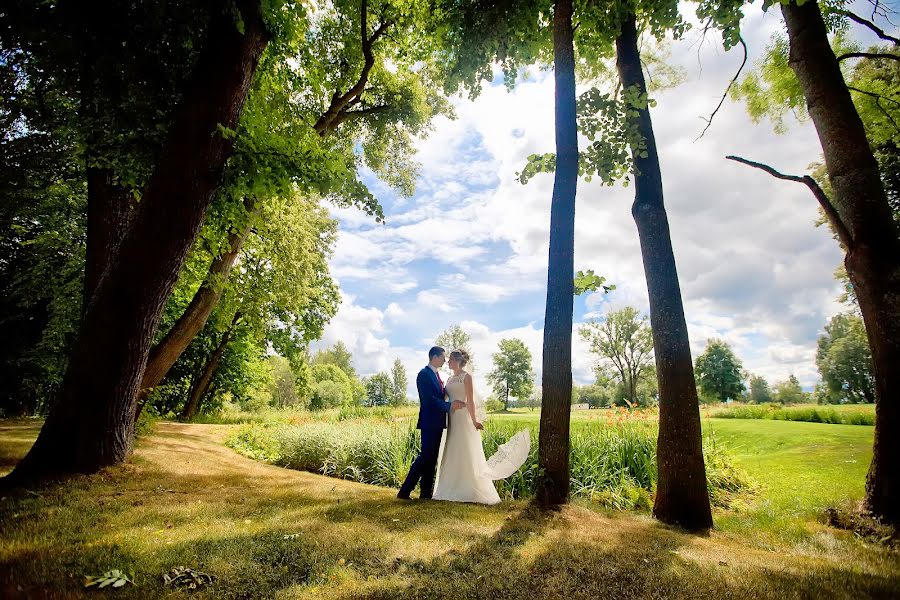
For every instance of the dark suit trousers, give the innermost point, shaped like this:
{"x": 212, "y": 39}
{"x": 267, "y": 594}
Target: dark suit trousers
{"x": 425, "y": 464}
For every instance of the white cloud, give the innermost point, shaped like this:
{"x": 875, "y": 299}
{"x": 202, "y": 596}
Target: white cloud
{"x": 471, "y": 246}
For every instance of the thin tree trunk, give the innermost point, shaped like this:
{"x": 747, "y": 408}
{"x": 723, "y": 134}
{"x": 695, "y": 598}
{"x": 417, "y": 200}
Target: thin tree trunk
{"x": 91, "y": 424}
{"x": 873, "y": 251}
{"x": 681, "y": 495}
{"x": 201, "y": 386}
{"x": 553, "y": 438}
{"x": 164, "y": 354}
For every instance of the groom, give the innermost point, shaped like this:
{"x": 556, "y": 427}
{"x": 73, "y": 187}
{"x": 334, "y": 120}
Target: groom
{"x": 433, "y": 411}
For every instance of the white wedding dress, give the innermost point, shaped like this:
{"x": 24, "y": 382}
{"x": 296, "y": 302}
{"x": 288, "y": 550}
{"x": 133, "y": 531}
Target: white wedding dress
{"x": 461, "y": 473}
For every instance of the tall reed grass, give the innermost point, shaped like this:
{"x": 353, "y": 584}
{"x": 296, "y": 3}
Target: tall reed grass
{"x": 612, "y": 465}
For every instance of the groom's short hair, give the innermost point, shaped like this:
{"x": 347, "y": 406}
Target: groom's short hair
{"x": 435, "y": 351}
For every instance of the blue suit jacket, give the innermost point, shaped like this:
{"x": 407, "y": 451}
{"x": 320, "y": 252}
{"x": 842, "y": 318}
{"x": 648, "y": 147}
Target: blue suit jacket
{"x": 433, "y": 408}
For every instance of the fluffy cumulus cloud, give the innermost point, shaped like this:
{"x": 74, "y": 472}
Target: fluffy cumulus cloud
{"x": 470, "y": 247}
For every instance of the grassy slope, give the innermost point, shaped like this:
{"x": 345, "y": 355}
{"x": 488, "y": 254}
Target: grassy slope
{"x": 802, "y": 468}
{"x": 185, "y": 499}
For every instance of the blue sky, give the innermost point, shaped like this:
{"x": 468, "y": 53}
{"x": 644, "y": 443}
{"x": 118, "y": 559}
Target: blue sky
{"x": 470, "y": 247}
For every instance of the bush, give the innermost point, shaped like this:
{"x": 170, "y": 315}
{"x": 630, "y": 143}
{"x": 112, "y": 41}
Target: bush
{"x": 326, "y": 372}
{"x": 613, "y": 465}
{"x": 493, "y": 405}
{"x": 326, "y": 394}
{"x": 146, "y": 422}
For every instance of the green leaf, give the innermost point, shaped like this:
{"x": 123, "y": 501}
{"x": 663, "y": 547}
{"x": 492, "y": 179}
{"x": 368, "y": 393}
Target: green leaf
{"x": 587, "y": 281}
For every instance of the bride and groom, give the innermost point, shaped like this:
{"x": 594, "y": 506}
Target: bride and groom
{"x": 464, "y": 474}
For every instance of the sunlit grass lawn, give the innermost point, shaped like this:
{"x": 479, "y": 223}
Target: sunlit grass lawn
{"x": 185, "y": 499}
{"x": 802, "y": 468}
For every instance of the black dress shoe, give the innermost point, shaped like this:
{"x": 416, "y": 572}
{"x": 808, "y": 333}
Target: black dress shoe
{"x": 402, "y": 497}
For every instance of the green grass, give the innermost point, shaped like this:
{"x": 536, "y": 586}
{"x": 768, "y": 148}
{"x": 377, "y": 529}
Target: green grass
{"x": 860, "y": 414}
{"x": 267, "y": 532}
{"x": 803, "y": 468}
{"x": 232, "y": 414}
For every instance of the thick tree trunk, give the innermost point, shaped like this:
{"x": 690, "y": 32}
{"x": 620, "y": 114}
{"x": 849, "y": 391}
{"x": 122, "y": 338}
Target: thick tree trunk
{"x": 873, "y": 252}
{"x": 201, "y": 385}
{"x": 681, "y": 494}
{"x": 553, "y": 439}
{"x": 91, "y": 424}
{"x": 109, "y": 206}
{"x": 164, "y": 354}
{"x": 109, "y": 213}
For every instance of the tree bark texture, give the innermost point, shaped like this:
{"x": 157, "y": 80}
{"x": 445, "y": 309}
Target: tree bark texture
{"x": 682, "y": 497}
{"x": 553, "y": 438}
{"x": 873, "y": 252}
{"x": 109, "y": 212}
{"x": 91, "y": 425}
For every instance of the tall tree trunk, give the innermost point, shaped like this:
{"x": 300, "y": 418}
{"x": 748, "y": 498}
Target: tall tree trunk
{"x": 164, "y": 354}
{"x": 553, "y": 438}
{"x": 109, "y": 206}
{"x": 91, "y": 424}
{"x": 200, "y": 386}
{"x": 681, "y": 494}
{"x": 873, "y": 247}
{"x": 109, "y": 212}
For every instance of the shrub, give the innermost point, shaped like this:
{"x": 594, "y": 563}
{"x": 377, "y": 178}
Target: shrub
{"x": 493, "y": 405}
{"x": 327, "y": 394}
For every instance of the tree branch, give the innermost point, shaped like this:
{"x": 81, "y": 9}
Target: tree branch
{"x": 866, "y": 23}
{"x": 728, "y": 89}
{"x": 346, "y": 115}
{"x": 872, "y": 55}
{"x": 842, "y": 232}
{"x": 878, "y": 99}
{"x": 339, "y": 103}
{"x": 873, "y": 94}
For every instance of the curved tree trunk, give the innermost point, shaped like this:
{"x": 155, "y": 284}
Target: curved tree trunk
{"x": 873, "y": 245}
{"x": 681, "y": 494}
{"x": 91, "y": 424}
{"x": 553, "y": 438}
{"x": 164, "y": 354}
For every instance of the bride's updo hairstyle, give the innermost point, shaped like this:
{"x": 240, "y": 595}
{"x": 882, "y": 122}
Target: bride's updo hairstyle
{"x": 460, "y": 356}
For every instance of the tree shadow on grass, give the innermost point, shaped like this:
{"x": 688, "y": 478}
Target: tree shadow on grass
{"x": 264, "y": 531}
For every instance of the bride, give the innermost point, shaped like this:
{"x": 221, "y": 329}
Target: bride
{"x": 462, "y": 471}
